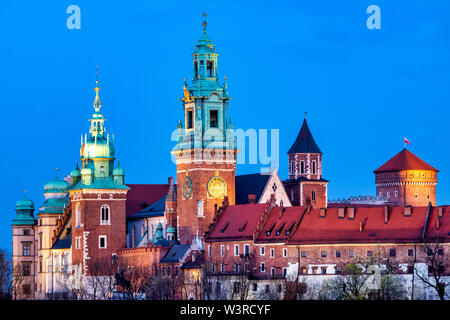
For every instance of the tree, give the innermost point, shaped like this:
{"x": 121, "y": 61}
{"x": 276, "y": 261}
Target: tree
{"x": 438, "y": 266}
{"x": 348, "y": 286}
{"x": 5, "y": 274}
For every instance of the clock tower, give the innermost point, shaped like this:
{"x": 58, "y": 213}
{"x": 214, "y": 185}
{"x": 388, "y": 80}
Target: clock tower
{"x": 206, "y": 151}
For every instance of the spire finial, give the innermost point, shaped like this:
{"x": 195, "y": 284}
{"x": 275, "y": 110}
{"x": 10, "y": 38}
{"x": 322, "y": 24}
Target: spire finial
{"x": 204, "y": 14}
{"x": 97, "y": 103}
{"x": 306, "y": 114}
{"x": 24, "y": 194}
{"x": 56, "y": 173}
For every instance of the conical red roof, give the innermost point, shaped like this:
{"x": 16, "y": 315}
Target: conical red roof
{"x": 405, "y": 160}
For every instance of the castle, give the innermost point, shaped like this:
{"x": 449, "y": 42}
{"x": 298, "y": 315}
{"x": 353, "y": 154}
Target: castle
{"x": 211, "y": 219}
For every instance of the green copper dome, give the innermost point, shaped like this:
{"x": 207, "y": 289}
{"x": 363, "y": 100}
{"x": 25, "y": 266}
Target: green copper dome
{"x": 170, "y": 229}
{"x": 97, "y": 147}
{"x": 25, "y": 204}
{"x": 118, "y": 171}
{"x": 24, "y": 209}
{"x": 86, "y": 171}
{"x": 76, "y": 172}
{"x": 56, "y": 186}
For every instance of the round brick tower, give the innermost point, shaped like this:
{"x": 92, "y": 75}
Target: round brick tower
{"x": 406, "y": 180}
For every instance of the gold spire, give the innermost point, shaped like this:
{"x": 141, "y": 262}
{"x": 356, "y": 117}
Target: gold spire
{"x": 97, "y": 103}
{"x": 204, "y": 14}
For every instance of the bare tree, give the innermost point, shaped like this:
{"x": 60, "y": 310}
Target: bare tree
{"x": 438, "y": 266}
{"x": 100, "y": 279}
{"x": 6, "y": 270}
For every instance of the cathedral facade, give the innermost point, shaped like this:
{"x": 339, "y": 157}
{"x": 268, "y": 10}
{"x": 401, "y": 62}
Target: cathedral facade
{"x": 210, "y": 220}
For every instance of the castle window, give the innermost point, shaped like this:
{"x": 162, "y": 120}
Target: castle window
{"x": 416, "y": 196}
{"x": 284, "y": 272}
{"x": 410, "y": 252}
{"x": 272, "y": 272}
{"x": 263, "y": 267}
{"x": 110, "y": 196}
{"x": 222, "y": 268}
{"x": 222, "y": 250}
{"x": 392, "y": 252}
{"x": 26, "y": 232}
{"x": 351, "y": 253}
{"x": 262, "y": 251}
{"x": 236, "y": 267}
{"x": 213, "y": 115}
{"x": 200, "y": 208}
{"x": 102, "y": 242}
{"x": 284, "y": 252}
{"x": 303, "y": 254}
{"x": 302, "y": 167}
{"x": 313, "y": 195}
{"x": 272, "y": 253}
{"x": 40, "y": 264}
{"x": 26, "y": 248}
{"x": 26, "y": 289}
{"x": 195, "y": 69}
{"x": 396, "y": 193}
{"x": 236, "y": 250}
{"x": 314, "y": 167}
{"x": 338, "y": 253}
{"x": 78, "y": 215}
{"x": 189, "y": 120}
{"x": 388, "y": 194}
{"x": 104, "y": 215}
{"x": 26, "y": 268}
{"x": 369, "y": 253}
{"x": 323, "y": 254}
{"x": 440, "y": 252}
{"x": 381, "y": 194}
{"x": 247, "y": 250}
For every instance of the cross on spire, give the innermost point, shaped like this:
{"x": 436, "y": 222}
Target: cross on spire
{"x": 204, "y": 14}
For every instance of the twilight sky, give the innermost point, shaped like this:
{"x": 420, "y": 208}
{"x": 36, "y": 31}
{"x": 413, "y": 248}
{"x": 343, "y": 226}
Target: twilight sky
{"x": 364, "y": 90}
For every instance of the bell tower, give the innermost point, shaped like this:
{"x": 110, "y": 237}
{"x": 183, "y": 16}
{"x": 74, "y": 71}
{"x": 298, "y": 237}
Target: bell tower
{"x": 206, "y": 151}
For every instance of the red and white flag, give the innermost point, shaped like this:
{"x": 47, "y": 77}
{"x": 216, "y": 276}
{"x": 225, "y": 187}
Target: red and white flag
{"x": 406, "y": 141}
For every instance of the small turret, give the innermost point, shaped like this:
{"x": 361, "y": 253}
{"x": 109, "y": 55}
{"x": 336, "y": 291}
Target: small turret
{"x": 119, "y": 175}
{"x": 86, "y": 175}
{"x": 76, "y": 175}
{"x": 170, "y": 233}
{"x": 24, "y": 209}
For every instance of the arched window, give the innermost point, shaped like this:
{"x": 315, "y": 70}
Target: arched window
{"x": 78, "y": 215}
{"x": 313, "y": 195}
{"x": 104, "y": 215}
{"x": 302, "y": 167}
{"x": 314, "y": 167}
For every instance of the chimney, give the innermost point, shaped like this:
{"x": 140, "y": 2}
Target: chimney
{"x": 225, "y": 201}
{"x": 251, "y": 198}
{"x": 322, "y": 212}
{"x": 341, "y": 213}
{"x": 351, "y": 213}
{"x": 386, "y": 214}
{"x": 407, "y": 211}
{"x": 441, "y": 212}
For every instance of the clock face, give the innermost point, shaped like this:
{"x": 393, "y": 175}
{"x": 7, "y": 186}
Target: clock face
{"x": 187, "y": 187}
{"x": 217, "y": 187}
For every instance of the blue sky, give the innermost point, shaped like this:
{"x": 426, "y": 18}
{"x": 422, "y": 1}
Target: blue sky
{"x": 364, "y": 90}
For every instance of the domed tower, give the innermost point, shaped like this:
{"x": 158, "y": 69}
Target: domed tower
{"x": 305, "y": 185}
{"x": 406, "y": 180}
{"x": 205, "y": 153}
{"x": 97, "y": 196}
{"x": 24, "y": 250}
{"x": 56, "y": 200}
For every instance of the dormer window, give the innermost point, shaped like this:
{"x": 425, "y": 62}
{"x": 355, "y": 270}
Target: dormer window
{"x": 314, "y": 167}
{"x": 302, "y": 167}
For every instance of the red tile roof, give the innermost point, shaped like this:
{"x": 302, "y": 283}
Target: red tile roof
{"x": 311, "y": 228}
{"x": 237, "y": 222}
{"x": 144, "y": 193}
{"x": 405, "y": 160}
{"x": 281, "y": 219}
{"x": 332, "y": 229}
{"x": 432, "y": 232}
